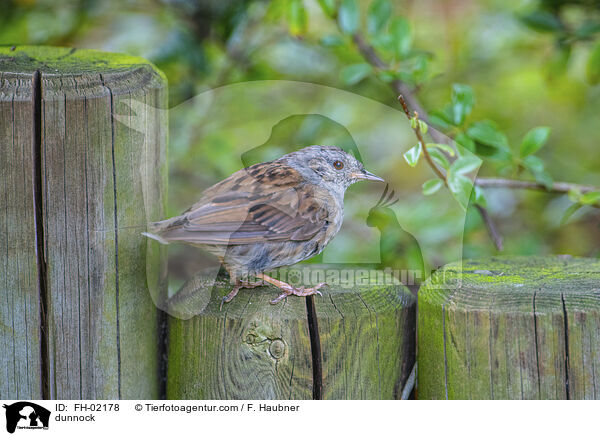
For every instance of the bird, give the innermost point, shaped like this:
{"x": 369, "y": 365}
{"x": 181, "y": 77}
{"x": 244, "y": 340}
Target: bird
{"x": 269, "y": 215}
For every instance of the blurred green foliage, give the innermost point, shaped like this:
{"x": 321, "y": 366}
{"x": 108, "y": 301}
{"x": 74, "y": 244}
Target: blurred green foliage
{"x": 515, "y": 82}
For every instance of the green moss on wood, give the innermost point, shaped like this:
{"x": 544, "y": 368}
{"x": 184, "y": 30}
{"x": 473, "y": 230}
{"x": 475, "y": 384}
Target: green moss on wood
{"x": 511, "y": 327}
{"x": 97, "y": 171}
{"x": 25, "y": 59}
{"x": 367, "y": 340}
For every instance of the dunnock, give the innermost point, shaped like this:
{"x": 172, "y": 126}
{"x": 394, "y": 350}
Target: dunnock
{"x": 270, "y": 215}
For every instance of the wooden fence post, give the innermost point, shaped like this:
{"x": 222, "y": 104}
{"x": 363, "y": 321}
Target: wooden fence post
{"x": 254, "y": 350}
{"x": 78, "y": 187}
{"x": 511, "y": 328}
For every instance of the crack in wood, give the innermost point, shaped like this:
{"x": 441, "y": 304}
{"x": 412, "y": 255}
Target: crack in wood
{"x": 163, "y": 351}
{"x": 114, "y": 173}
{"x": 39, "y": 229}
{"x": 566, "y": 326}
{"x": 536, "y": 343}
{"x": 315, "y": 348}
{"x": 445, "y": 351}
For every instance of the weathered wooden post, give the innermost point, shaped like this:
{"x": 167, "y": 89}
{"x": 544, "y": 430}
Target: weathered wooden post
{"x": 511, "y": 328}
{"x": 78, "y": 186}
{"x": 254, "y": 350}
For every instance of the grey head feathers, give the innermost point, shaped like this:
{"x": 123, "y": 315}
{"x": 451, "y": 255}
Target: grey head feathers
{"x": 326, "y": 166}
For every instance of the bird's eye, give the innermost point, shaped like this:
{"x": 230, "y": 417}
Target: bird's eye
{"x": 338, "y": 164}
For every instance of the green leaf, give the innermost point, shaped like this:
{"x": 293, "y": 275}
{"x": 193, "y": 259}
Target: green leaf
{"x": 542, "y": 21}
{"x": 423, "y": 127}
{"x": 378, "y": 15}
{"x": 463, "y": 140}
{"x": 533, "y": 164}
{"x": 559, "y": 61}
{"x": 463, "y": 100}
{"x": 544, "y": 178}
{"x": 386, "y": 76}
{"x": 444, "y": 147}
{"x": 349, "y": 17}
{"x": 412, "y": 155}
{"x": 587, "y": 29}
{"x": 569, "y": 212}
{"x": 574, "y": 195}
{"x": 419, "y": 69}
{"x": 590, "y": 198}
{"x": 353, "y": 74}
{"x": 440, "y": 119}
{"x": 534, "y": 140}
{"x": 297, "y": 17}
{"x": 465, "y": 164}
{"x": 381, "y": 41}
{"x": 461, "y": 187}
{"x": 593, "y": 65}
{"x": 439, "y": 158}
{"x": 487, "y": 133}
{"x": 331, "y": 41}
{"x": 432, "y": 186}
{"x": 478, "y": 196}
{"x": 401, "y": 36}
{"x": 328, "y": 7}
{"x": 276, "y": 11}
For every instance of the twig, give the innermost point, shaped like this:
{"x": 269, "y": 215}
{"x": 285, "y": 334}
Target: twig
{"x": 491, "y": 228}
{"x": 417, "y": 130}
{"x": 485, "y": 216}
{"x": 405, "y": 92}
{"x": 557, "y": 187}
{"x": 369, "y": 54}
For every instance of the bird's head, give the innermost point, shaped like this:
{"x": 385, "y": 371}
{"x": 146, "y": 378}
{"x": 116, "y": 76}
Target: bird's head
{"x": 330, "y": 166}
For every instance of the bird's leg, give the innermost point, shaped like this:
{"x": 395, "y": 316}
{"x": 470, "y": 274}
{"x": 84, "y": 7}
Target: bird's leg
{"x": 239, "y": 284}
{"x": 289, "y": 289}
{"x": 234, "y": 291}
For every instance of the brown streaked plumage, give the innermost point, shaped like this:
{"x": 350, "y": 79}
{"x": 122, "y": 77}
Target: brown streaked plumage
{"x": 270, "y": 215}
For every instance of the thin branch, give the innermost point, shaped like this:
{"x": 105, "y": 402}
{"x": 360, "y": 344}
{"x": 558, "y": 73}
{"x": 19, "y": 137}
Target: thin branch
{"x": 417, "y": 130}
{"x": 368, "y": 53}
{"x": 405, "y": 92}
{"x": 557, "y": 187}
{"x": 485, "y": 216}
{"x": 491, "y": 228}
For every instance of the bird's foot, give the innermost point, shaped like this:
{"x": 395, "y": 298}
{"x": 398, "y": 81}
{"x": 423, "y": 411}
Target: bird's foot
{"x": 299, "y": 291}
{"x": 250, "y": 285}
{"x": 239, "y": 285}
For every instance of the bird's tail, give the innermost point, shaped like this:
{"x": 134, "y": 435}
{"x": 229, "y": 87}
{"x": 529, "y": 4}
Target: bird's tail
{"x": 156, "y": 229}
{"x": 155, "y": 237}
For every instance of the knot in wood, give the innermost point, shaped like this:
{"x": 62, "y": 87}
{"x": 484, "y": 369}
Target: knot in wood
{"x": 251, "y": 338}
{"x": 277, "y": 348}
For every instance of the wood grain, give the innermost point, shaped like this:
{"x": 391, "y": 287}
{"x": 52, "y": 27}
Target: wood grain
{"x": 20, "y": 360}
{"x": 511, "y": 328}
{"x": 103, "y": 179}
{"x": 254, "y": 350}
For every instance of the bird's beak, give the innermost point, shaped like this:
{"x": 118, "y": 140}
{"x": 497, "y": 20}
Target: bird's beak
{"x": 367, "y": 175}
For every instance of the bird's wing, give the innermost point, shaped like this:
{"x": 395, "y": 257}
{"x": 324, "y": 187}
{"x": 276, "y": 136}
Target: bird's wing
{"x": 265, "y": 202}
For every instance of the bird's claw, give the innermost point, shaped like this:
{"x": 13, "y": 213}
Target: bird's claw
{"x": 299, "y": 292}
